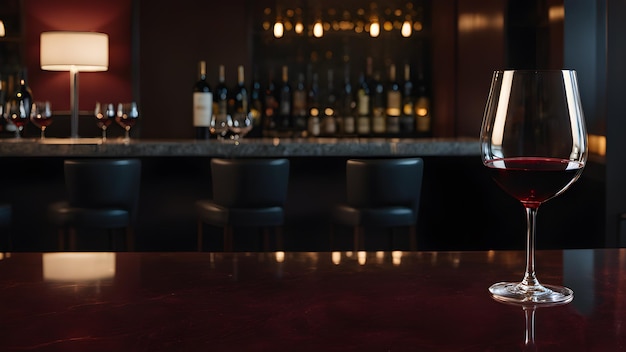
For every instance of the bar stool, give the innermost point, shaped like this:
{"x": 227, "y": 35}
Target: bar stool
{"x": 246, "y": 193}
{"x": 102, "y": 194}
{"x": 382, "y": 193}
{"x": 6, "y": 218}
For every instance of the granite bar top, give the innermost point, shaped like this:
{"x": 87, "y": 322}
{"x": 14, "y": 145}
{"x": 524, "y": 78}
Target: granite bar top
{"x": 262, "y": 147}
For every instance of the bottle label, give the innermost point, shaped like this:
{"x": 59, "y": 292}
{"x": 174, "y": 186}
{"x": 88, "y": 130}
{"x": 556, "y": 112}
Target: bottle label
{"x": 364, "y": 104}
{"x": 348, "y": 124}
{"x": 363, "y": 126}
{"x": 202, "y": 109}
{"x": 378, "y": 124}
{"x": 394, "y": 102}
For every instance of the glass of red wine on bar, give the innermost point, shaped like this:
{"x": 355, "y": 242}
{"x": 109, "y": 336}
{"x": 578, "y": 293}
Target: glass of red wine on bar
{"x": 127, "y": 115}
{"x": 104, "y": 118}
{"x": 18, "y": 115}
{"x": 534, "y": 144}
{"x": 41, "y": 116}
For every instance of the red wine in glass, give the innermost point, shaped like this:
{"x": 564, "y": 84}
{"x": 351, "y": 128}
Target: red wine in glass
{"x": 41, "y": 116}
{"x": 127, "y": 115}
{"x": 533, "y": 180}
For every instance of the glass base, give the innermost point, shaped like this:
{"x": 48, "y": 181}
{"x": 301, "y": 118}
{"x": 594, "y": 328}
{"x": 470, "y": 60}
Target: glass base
{"x": 515, "y": 292}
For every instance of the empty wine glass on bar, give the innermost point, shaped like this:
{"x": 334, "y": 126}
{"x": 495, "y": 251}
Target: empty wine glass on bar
{"x": 41, "y": 116}
{"x": 219, "y": 125}
{"x": 534, "y": 143}
{"x": 104, "y": 118}
{"x": 127, "y": 115}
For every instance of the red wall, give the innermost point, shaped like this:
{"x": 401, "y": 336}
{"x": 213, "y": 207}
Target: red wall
{"x": 112, "y": 17}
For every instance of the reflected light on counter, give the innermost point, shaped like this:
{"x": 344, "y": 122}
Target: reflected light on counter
{"x": 406, "y": 29}
{"x": 335, "y": 257}
{"x": 374, "y": 29}
{"x": 318, "y": 30}
{"x": 380, "y": 257}
{"x": 491, "y": 255}
{"x": 280, "y": 256}
{"x": 349, "y": 254}
{"x": 279, "y": 30}
{"x": 396, "y": 257}
{"x": 361, "y": 257}
{"x": 78, "y": 266}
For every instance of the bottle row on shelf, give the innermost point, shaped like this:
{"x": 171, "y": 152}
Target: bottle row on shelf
{"x": 303, "y": 108}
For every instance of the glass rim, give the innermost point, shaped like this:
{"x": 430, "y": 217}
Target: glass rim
{"x": 535, "y": 70}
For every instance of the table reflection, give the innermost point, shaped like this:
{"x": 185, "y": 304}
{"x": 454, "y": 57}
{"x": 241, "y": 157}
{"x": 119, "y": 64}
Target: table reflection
{"x": 78, "y": 267}
{"x": 305, "y": 301}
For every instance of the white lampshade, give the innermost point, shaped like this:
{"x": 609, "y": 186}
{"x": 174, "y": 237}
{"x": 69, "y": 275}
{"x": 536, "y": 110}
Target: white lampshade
{"x": 81, "y": 51}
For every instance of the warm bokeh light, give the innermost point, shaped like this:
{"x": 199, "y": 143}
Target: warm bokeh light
{"x": 336, "y": 257}
{"x": 318, "y": 30}
{"x": 396, "y": 257}
{"x": 280, "y": 256}
{"x": 3, "y": 31}
{"x": 374, "y": 29}
{"x": 279, "y": 30}
{"x": 299, "y": 28}
{"x": 361, "y": 257}
{"x": 406, "y": 29}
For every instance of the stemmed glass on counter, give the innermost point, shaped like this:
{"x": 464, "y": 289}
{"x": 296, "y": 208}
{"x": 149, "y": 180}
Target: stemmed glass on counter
{"x": 534, "y": 143}
{"x": 219, "y": 125}
{"x": 41, "y": 116}
{"x": 18, "y": 115}
{"x": 104, "y": 118}
{"x": 241, "y": 124}
{"x": 127, "y": 115}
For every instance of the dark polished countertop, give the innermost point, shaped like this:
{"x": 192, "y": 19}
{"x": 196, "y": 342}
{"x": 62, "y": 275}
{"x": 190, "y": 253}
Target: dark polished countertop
{"x": 262, "y": 147}
{"x": 341, "y": 301}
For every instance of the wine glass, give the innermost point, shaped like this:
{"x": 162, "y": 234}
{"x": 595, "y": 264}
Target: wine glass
{"x": 127, "y": 115}
{"x": 241, "y": 124}
{"x": 17, "y": 114}
{"x": 219, "y": 125}
{"x": 41, "y": 116}
{"x": 534, "y": 144}
{"x": 104, "y": 119}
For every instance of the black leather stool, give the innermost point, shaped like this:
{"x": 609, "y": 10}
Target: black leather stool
{"x": 246, "y": 193}
{"x": 102, "y": 194}
{"x": 381, "y": 193}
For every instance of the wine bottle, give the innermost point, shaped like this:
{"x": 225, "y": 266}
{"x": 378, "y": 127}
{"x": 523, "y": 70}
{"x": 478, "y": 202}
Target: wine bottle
{"x": 313, "y": 107}
{"x": 378, "y": 106}
{"x": 329, "y": 122}
{"x": 422, "y": 108}
{"x": 299, "y": 111}
{"x": 284, "y": 110}
{"x": 221, "y": 93}
{"x": 270, "y": 108}
{"x": 407, "y": 120}
{"x": 394, "y": 102}
{"x": 238, "y": 105}
{"x": 363, "y": 101}
{"x": 347, "y": 106}
{"x": 19, "y": 104}
{"x": 202, "y": 104}
{"x": 256, "y": 106}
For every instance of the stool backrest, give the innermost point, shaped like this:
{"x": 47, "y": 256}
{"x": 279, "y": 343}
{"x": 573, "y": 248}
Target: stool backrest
{"x": 249, "y": 183}
{"x": 374, "y": 183}
{"x": 103, "y": 183}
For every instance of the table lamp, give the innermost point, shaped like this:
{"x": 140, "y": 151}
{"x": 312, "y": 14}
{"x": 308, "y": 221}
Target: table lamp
{"x": 74, "y": 52}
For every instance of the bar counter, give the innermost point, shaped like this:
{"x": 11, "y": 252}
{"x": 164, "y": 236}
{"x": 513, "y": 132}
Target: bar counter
{"x": 306, "y": 301}
{"x": 253, "y": 147}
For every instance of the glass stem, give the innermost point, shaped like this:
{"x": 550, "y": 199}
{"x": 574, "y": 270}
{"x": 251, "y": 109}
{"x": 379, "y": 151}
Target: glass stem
{"x": 529, "y": 330}
{"x": 530, "y": 280}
